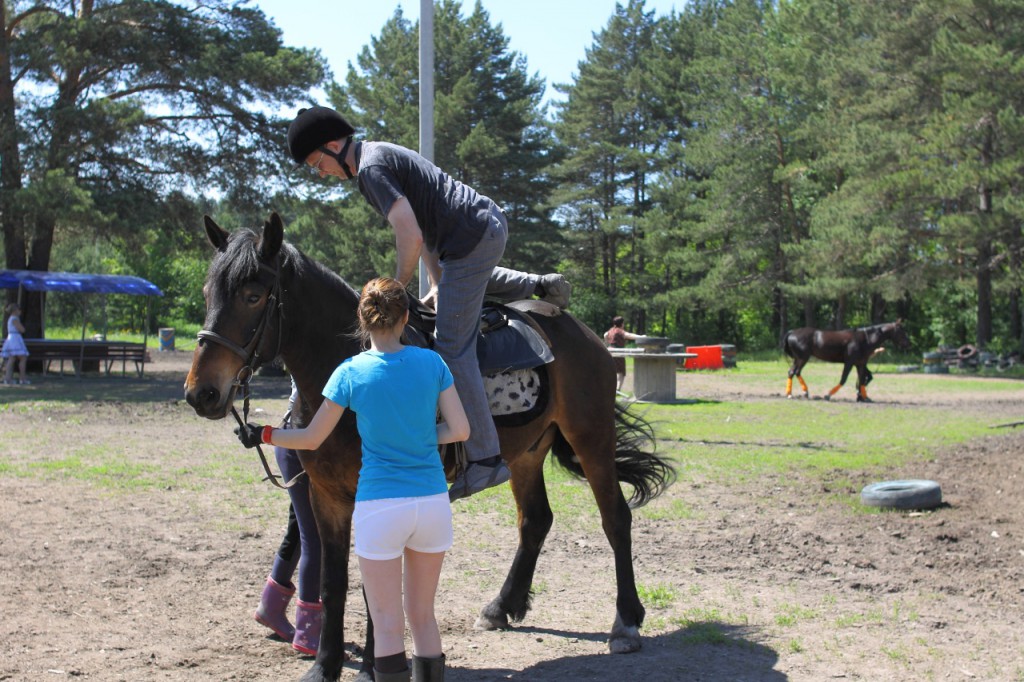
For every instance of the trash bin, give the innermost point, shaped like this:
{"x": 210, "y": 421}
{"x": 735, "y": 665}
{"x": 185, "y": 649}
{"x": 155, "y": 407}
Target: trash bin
{"x": 166, "y": 338}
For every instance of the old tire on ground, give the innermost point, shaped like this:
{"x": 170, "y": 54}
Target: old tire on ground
{"x": 910, "y": 494}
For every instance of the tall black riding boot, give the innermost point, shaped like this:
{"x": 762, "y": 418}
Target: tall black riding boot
{"x": 428, "y": 669}
{"x": 400, "y": 676}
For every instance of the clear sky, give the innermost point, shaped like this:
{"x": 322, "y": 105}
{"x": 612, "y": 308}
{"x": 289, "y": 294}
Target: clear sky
{"x": 552, "y": 34}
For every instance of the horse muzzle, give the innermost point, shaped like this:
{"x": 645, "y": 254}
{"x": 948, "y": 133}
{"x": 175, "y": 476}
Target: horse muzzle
{"x": 210, "y": 391}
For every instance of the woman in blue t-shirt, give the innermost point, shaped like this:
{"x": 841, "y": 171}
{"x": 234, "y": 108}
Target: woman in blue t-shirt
{"x": 402, "y": 506}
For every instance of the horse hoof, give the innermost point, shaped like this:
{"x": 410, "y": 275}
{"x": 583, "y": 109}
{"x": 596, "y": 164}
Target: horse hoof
{"x": 826, "y": 397}
{"x": 486, "y": 622}
{"x": 318, "y": 674}
{"x": 625, "y": 641}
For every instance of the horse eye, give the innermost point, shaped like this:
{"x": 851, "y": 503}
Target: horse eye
{"x": 253, "y": 299}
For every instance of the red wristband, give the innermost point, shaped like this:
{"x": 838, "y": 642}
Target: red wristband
{"x": 265, "y": 435}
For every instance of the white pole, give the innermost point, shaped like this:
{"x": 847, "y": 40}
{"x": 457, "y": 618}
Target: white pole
{"x": 426, "y": 100}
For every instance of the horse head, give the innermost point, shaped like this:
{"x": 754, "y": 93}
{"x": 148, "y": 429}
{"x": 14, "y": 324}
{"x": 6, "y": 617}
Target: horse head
{"x": 899, "y": 335}
{"x": 242, "y": 326}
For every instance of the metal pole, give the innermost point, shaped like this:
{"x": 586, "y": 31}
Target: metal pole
{"x": 426, "y": 100}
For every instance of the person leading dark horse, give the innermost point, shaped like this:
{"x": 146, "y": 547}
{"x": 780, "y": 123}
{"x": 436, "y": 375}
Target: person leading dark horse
{"x": 460, "y": 235}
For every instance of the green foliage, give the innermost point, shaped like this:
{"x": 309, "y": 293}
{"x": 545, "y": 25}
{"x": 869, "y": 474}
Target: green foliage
{"x": 113, "y": 108}
{"x": 488, "y": 123}
{"x": 718, "y": 174}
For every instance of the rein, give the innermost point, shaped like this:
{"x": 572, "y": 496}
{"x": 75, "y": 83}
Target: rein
{"x": 250, "y": 357}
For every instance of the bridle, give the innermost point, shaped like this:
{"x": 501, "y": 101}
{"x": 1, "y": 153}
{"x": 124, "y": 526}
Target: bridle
{"x": 250, "y": 354}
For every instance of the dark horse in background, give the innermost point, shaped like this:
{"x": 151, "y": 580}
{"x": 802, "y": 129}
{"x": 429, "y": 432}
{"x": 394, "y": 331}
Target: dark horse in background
{"x": 852, "y": 347}
{"x": 265, "y": 299}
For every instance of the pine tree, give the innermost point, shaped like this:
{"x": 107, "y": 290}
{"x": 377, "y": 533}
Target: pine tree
{"x": 488, "y": 121}
{"x": 610, "y": 135}
{"x": 107, "y": 107}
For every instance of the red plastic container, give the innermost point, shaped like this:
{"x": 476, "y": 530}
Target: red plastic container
{"x": 708, "y": 357}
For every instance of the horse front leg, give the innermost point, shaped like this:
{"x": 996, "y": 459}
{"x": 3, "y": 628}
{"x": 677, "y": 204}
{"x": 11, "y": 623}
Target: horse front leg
{"x": 535, "y": 519}
{"x": 335, "y": 535}
{"x": 842, "y": 380}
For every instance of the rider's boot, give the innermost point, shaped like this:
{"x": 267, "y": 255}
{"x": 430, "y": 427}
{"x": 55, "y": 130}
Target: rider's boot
{"x": 554, "y": 289}
{"x": 428, "y": 669}
{"x": 400, "y": 676}
{"x": 479, "y": 475}
{"x": 273, "y": 607}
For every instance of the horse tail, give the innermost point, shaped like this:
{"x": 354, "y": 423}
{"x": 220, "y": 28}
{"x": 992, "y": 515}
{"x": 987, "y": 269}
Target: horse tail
{"x": 635, "y": 461}
{"x": 784, "y": 342}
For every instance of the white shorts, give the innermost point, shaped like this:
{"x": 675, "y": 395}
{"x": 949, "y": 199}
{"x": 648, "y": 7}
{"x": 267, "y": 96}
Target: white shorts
{"x": 384, "y": 528}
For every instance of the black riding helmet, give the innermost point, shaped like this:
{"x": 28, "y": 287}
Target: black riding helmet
{"x": 314, "y": 127}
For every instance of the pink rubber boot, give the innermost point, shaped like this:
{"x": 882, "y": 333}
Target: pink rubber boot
{"x": 273, "y": 607}
{"x": 308, "y": 621}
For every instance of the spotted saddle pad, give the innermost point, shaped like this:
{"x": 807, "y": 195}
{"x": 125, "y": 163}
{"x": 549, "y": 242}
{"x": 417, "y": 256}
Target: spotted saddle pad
{"x": 511, "y": 353}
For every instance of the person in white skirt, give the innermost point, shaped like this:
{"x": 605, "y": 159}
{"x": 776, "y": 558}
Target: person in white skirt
{"x": 14, "y": 346}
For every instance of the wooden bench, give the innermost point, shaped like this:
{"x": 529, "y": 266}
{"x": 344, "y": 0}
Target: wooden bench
{"x": 86, "y": 354}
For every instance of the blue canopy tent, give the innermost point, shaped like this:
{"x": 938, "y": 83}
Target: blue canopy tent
{"x": 73, "y": 282}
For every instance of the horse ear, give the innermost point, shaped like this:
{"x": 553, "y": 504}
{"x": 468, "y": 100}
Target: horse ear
{"x": 273, "y": 236}
{"x": 217, "y": 236}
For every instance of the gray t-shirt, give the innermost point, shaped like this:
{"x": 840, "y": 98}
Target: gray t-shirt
{"x": 452, "y": 216}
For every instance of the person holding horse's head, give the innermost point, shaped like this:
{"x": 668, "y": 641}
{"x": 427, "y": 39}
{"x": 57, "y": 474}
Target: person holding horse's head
{"x": 299, "y": 550}
{"x": 460, "y": 235}
{"x": 402, "y": 508}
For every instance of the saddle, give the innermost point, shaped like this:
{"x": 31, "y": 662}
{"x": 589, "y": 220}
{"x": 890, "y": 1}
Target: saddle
{"x": 511, "y": 350}
{"x": 508, "y": 339}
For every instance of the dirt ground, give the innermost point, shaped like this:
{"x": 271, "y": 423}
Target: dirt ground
{"x": 768, "y": 582}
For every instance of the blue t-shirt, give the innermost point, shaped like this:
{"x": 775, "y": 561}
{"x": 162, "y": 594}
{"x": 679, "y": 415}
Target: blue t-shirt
{"x": 394, "y": 396}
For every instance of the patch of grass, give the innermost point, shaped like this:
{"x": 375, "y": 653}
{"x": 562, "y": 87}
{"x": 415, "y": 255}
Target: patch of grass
{"x": 792, "y": 614}
{"x": 896, "y": 654}
{"x": 664, "y": 509}
{"x": 739, "y": 441}
{"x": 657, "y": 596}
{"x": 702, "y": 633}
{"x": 184, "y": 335}
{"x": 104, "y": 471}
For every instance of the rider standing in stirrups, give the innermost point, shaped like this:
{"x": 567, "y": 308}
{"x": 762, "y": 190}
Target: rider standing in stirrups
{"x": 460, "y": 235}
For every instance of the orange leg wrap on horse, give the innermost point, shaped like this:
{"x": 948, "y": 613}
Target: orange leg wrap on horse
{"x": 864, "y": 392}
{"x": 803, "y": 384}
{"x": 789, "y": 386}
{"x": 833, "y": 391}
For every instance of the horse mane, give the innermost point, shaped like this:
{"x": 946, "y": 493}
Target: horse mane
{"x": 880, "y": 327}
{"x": 243, "y": 263}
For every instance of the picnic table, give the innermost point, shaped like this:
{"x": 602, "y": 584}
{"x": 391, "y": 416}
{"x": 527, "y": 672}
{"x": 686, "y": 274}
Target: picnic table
{"x": 86, "y": 353}
{"x": 654, "y": 374}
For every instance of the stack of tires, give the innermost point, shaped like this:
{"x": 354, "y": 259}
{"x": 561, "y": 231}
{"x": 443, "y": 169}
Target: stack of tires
{"x": 935, "y": 363}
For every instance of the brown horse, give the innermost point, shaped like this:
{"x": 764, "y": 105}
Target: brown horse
{"x": 852, "y": 347}
{"x": 265, "y": 299}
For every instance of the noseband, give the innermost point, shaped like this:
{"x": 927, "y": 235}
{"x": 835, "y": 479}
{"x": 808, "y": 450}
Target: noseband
{"x": 250, "y": 354}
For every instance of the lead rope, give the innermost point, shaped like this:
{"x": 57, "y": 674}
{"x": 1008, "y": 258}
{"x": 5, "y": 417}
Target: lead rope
{"x": 244, "y": 385}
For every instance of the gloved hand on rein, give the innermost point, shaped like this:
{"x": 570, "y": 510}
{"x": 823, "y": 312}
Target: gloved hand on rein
{"x": 252, "y": 435}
